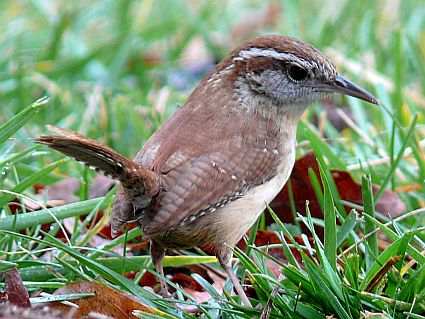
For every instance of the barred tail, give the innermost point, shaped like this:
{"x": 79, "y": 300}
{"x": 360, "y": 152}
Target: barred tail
{"x": 94, "y": 154}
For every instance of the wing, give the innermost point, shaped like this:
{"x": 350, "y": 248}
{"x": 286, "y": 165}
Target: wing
{"x": 209, "y": 182}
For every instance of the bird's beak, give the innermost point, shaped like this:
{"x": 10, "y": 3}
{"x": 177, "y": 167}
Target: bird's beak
{"x": 346, "y": 87}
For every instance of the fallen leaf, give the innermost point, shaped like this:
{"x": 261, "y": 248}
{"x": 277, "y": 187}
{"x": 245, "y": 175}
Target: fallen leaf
{"x": 18, "y": 205}
{"x": 107, "y": 301}
{"x": 302, "y": 191}
{"x": 390, "y": 203}
{"x": 148, "y": 279}
{"x": 348, "y": 189}
{"x": 63, "y": 190}
{"x": 200, "y": 296}
{"x": 38, "y": 188}
{"x": 100, "y": 186}
{"x": 15, "y": 290}
{"x": 186, "y": 281}
{"x": 274, "y": 267}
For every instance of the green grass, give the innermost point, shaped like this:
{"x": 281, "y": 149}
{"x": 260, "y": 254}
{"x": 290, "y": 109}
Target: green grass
{"x": 107, "y": 65}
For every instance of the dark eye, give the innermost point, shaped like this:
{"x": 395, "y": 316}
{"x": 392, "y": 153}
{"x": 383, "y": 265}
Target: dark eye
{"x": 297, "y": 73}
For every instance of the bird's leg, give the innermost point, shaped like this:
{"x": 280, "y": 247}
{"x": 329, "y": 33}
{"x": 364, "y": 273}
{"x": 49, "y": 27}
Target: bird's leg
{"x": 158, "y": 253}
{"x": 224, "y": 256}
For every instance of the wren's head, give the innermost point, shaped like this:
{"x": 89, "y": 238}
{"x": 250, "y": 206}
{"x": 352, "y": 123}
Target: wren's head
{"x": 282, "y": 72}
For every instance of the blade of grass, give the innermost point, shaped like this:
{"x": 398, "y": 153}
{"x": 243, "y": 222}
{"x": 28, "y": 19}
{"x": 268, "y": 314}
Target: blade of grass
{"x": 346, "y": 228}
{"x": 45, "y": 216}
{"x": 65, "y": 297}
{"x": 330, "y": 220}
{"x": 31, "y": 180}
{"x": 369, "y": 227}
{"x": 416, "y": 254}
{"x": 397, "y": 248}
{"x": 394, "y": 165}
{"x": 320, "y": 147}
{"x": 95, "y": 266}
{"x": 287, "y": 250}
{"x": 321, "y": 286}
{"x": 16, "y": 122}
{"x": 133, "y": 263}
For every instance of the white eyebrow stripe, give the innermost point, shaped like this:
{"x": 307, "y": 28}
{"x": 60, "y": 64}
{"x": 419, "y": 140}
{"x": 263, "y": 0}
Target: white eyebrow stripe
{"x": 269, "y": 53}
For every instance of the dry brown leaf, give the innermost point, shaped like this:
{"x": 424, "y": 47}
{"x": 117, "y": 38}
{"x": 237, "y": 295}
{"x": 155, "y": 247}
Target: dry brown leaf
{"x": 16, "y": 292}
{"x": 63, "y": 190}
{"x": 107, "y": 301}
{"x": 100, "y": 186}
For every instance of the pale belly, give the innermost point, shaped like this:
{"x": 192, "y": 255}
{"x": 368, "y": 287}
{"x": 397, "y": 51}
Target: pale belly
{"x": 234, "y": 220}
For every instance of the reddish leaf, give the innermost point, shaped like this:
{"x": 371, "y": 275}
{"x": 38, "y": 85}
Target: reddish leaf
{"x": 274, "y": 267}
{"x": 264, "y": 238}
{"x": 38, "y": 188}
{"x": 16, "y": 292}
{"x": 16, "y": 205}
{"x": 302, "y": 191}
{"x": 148, "y": 279}
{"x": 186, "y": 281}
{"x": 139, "y": 245}
{"x": 182, "y": 276}
{"x": 59, "y": 235}
{"x": 3, "y": 297}
{"x": 348, "y": 189}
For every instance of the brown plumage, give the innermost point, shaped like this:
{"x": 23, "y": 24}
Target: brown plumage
{"x": 104, "y": 159}
{"x": 209, "y": 171}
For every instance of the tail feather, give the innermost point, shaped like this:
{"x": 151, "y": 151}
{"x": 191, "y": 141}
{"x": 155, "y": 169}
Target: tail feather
{"x": 130, "y": 174}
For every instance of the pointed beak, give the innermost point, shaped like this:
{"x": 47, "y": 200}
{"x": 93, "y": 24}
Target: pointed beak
{"x": 346, "y": 87}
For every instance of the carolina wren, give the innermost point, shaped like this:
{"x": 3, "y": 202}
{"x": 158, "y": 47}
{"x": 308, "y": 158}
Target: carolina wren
{"x": 207, "y": 174}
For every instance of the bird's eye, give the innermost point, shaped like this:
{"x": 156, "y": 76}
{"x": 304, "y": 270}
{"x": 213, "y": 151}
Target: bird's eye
{"x": 297, "y": 73}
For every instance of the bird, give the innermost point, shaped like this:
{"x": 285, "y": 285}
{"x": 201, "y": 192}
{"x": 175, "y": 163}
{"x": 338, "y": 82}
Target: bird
{"x": 205, "y": 176}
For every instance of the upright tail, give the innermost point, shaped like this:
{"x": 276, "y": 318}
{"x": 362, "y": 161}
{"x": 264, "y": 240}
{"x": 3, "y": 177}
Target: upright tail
{"x": 129, "y": 173}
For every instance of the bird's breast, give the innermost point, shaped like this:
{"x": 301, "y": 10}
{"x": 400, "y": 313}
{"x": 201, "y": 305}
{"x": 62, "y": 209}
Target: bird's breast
{"x": 233, "y": 221}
